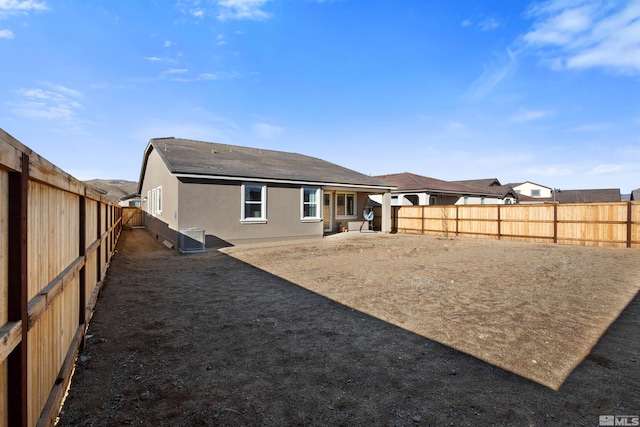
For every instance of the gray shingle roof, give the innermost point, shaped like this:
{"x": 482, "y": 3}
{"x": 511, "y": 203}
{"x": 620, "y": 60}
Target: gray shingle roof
{"x": 589, "y": 196}
{"x": 407, "y": 181}
{"x": 480, "y": 183}
{"x": 185, "y": 156}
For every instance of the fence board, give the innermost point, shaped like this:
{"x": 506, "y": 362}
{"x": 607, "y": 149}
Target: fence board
{"x": 134, "y": 216}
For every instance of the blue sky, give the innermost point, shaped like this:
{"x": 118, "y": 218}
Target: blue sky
{"x": 544, "y": 91}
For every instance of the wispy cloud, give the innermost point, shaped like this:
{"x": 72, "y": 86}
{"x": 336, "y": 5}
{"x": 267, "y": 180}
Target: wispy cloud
{"x": 168, "y": 43}
{"x": 493, "y": 74}
{"x": 176, "y": 71}
{"x": 488, "y": 24}
{"x": 579, "y": 34}
{"x": 13, "y": 7}
{"x": 529, "y": 115}
{"x": 243, "y": 10}
{"x": 455, "y": 125}
{"x": 604, "y": 169}
{"x": 153, "y": 58}
{"x": 8, "y": 7}
{"x": 592, "y": 127}
{"x": 550, "y": 171}
{"x": 200, "y": 77}
{"x": 54, "y": 103}
{"x": 265, "y": 130}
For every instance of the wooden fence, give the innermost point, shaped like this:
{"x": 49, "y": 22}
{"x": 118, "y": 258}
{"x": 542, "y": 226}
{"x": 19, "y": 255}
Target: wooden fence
{"x": 133, "y": 216}
{"x": 614, "y": 224}
{"x": 57, "y": 236}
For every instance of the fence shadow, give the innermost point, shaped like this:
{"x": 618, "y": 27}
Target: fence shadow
{"x": 207, "y": 339}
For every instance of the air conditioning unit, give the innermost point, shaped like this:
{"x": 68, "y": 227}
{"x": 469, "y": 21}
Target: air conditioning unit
{"x": 192, "y": 240}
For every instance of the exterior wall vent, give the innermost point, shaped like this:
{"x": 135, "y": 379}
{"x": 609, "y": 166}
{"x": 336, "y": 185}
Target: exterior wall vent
{"x": 192, "y": 240}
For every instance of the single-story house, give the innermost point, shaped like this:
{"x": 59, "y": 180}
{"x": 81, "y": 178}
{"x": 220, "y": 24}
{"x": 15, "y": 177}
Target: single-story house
{"x": 130, "y": 200}
{"x": 507, "y": 192}
{"x": 589, "y": 196}
{"x": 530, "y": 192}
{"x": 418, "y": 190}
{"x": 244, "y": 195}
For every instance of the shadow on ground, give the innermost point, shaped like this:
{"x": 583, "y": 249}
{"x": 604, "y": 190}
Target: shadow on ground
{"x": 208, "y": 340}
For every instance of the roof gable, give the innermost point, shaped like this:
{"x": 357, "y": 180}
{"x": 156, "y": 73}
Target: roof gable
{"x": 207, "y": 159}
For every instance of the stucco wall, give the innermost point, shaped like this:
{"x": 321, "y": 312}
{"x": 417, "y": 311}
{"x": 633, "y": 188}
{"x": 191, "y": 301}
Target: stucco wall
{"x": 217, "y": 207}
{"x": 163, "y": 224}
{"x": 526, "y": 188}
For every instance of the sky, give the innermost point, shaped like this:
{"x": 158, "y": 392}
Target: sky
{"x": 540, "y": 91}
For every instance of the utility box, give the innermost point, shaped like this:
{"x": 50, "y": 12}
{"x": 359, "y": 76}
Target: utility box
{"x": 192, "y": 240}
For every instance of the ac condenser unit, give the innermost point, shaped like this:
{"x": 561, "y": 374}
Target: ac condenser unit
{"x": 192, "y": 240}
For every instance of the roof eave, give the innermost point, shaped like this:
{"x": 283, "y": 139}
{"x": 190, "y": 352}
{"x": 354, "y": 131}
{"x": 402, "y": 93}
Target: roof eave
{"x": 282, "y": 181}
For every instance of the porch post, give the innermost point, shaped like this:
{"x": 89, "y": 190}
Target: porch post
{"x": 386, "y": 212}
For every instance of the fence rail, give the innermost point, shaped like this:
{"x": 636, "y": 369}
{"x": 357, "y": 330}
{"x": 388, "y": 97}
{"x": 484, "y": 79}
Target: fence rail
{"x": 57, "y": 239}
{"x": 614, "y": 224}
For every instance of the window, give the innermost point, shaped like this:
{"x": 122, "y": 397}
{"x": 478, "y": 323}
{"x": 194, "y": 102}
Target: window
{"x": 310, "y": 203}
{"x": 413, "y": 199}
{"x": 345, "y": 204}
{"x": 153, "y": 202}
{"x": 159, "y": 201}
{"x": 254, "y": 203}
{"x": 535, "y": 193}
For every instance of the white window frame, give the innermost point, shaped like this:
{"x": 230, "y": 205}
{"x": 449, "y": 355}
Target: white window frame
{"x": 158, "y": 200}
{"x": 355, "y": 205}
{"x": 318, "y": 197}
{"x": 153, "y": 202}
{"x": 263, "y": 205}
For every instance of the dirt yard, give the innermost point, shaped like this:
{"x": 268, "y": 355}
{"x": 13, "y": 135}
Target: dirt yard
{"x": 362, "y": 329}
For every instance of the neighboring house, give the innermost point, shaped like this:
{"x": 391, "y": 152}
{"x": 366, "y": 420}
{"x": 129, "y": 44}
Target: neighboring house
{"x": 635, "y": 195}
{"x": 412, "y": 189}
{"x": 242, "y": 195}
{"x": 531, "y": 189}
{"x": 589, "y": 196}
{"x": 526, "y": 192}
{"x": 132, "y": 200}
{"x": 507, "y": 192}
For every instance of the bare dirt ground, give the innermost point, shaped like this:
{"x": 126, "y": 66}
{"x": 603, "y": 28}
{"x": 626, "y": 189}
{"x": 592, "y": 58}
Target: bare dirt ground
{"x": 362, "y": 329}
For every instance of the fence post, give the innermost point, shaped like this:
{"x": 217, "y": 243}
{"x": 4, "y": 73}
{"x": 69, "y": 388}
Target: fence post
{"x": 457, "y": 218}
{"x": 629, "y": 213}
{"x": 17, "y": 301}
{"x": 422, "y": 221}
{"x": 82, "y": 240}
{"x": 555, "y": 223}
{"x": 99, "y": 238}
{"x": 499, "y": 236}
